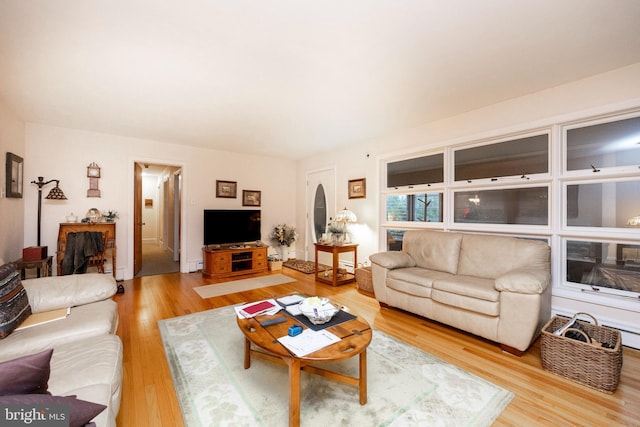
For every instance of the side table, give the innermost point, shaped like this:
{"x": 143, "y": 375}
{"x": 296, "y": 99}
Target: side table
{"x": 331, "y": 277}
{"x": 42, "y": 266}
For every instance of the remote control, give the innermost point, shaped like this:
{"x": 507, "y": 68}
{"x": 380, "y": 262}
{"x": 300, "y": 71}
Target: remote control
{"x": 273, "y": 321}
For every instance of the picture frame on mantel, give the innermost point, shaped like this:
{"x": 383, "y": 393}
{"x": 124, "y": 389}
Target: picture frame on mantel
{"x": 251, "y": 198}
{"x": 14, "y": 176}
{"x": 226, "y": 189}
{"x": 358, "y": 188}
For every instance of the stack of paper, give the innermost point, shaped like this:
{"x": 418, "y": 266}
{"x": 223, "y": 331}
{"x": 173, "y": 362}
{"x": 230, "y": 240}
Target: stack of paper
{"x": 253, "y": 309}
{"x": 308, "y": 341}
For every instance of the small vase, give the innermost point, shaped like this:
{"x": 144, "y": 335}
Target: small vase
{"x": 284, "y": 252}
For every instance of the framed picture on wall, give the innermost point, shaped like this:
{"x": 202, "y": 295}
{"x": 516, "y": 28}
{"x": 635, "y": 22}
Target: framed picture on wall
{"x": 358, "y": 188}
{"x": 250, "y": 198}
{"x": 14, "y": 176}
{"x": 226, "y": 189}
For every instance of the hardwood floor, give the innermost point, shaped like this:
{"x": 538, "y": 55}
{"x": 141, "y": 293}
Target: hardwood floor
{"x": 148, "y": 397}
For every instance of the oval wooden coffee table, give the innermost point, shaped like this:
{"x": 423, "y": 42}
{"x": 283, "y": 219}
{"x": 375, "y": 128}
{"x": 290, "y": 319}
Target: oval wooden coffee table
{"x": 355, "y": 336}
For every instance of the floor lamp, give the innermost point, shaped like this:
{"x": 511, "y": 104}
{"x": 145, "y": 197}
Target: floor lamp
{"x": 55, "y": 194}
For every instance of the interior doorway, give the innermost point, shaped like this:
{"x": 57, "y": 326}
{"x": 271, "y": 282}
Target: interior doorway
{"x": 157, "y": 216}
{"x": 321, "y": 206}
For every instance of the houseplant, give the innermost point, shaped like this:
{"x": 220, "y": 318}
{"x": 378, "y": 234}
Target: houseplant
{"x": 284, "y": 236}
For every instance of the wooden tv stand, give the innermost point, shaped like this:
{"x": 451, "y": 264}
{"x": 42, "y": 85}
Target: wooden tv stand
{"x": 233, "y": 261}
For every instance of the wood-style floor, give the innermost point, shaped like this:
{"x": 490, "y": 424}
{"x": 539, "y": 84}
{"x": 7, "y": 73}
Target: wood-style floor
{"x": 541, "y": 398}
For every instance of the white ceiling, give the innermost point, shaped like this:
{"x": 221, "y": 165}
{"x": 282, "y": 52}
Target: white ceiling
{"x": 294, "y": 77}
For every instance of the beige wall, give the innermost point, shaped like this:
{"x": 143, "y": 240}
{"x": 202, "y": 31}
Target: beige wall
{"x": 603, "y": 94}
{"x": 12, "y": 209}
{"x": 597, "y": 95}
{"x": 64, "y": 154}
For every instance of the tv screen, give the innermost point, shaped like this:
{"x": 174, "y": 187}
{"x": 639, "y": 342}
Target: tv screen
{"x": 225, "y": 226}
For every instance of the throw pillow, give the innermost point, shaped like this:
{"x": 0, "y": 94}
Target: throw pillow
{"x": 14, "y": 302}
{"x": 80, "y": 411}
{"x": 26, "y": 375}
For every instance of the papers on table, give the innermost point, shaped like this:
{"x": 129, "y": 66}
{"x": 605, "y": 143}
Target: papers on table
{"x": 290, "y": 299}
{"x": 253, "y": 309}
{"x": 308, "y": 341}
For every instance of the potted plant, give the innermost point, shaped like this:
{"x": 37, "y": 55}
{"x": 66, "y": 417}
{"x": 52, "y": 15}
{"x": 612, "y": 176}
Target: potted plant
{"x": 284, "y": 236}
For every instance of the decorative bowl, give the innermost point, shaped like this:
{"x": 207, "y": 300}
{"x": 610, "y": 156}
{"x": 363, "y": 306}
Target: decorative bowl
{"x": 318, "y": 310}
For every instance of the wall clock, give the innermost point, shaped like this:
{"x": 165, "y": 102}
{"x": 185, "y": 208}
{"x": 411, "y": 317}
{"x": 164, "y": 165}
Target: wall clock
{"x": 93, "y": 172}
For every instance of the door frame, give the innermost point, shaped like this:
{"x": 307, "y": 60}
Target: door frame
{"x": 318, "y": 175}
{"x": 184, "y": 227}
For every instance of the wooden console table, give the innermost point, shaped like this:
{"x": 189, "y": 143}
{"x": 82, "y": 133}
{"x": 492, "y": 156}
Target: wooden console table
{"x": 74, "y": 227}
{"x": 233, "y": 261}
{"x": 336, "y": 250}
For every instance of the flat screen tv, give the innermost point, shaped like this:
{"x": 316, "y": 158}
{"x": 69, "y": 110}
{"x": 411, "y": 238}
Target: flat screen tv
{"x": 226, "y": 226}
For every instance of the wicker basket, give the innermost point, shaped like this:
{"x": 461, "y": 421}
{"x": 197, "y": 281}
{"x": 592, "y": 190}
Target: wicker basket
{"x": 587, "y": 363}
{"x": 363, "y": 279}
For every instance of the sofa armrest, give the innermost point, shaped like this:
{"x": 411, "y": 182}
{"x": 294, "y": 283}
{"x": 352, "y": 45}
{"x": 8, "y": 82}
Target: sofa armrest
{"x": 50, "y": 293}
{"x": 392, "y": 259}
{"x": 524, "y": 281}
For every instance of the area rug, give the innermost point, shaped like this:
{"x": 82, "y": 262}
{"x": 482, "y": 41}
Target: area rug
{"x": 306, "y": 267}
{"x": 406, "y": 386}
{"x": 215, "y": 290}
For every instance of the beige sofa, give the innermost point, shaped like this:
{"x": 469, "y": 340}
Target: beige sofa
{"x": 496, "y": 287}
{"x": 87, "y": 355}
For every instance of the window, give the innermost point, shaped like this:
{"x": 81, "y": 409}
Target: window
{"x": 519, "y": 157}
{"x": 394, "y": 239}
{"x": 602, "y": 204}
{"x": 525, "y": 206}
{"x": 425, "y": 207}
{"x": 604, "y": 145}
{"x": 416, "y": 171}
{"x": 603, "y": 265}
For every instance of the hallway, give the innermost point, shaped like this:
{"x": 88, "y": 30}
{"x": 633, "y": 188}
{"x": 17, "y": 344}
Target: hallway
{"x": 155, "y": 260}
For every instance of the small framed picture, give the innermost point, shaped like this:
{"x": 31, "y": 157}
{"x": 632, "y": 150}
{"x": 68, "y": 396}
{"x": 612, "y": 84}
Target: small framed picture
{"x": 357, "y": 188}
{"x": 250, "y": 198}
{"x": 227, "y": 189}
{"x": 14, "y": 176}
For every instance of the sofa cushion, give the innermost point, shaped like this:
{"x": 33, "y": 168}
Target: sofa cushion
{"x": 414, "y": 281}
{"x": 466, "y": 303}
{"x": 50, "y": 293}
{"x": 80, "y": 411}
{"x": 473, "y": 287}
{"x": 83, "y": 363}
{"x": 434, "y": 250}
{"x": 14, "y": 303}
{"x": 492, "y": 256}
{"x": 98, "y": 318}
{"x": 26, "y": 375}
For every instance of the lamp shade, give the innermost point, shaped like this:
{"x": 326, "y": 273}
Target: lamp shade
{"x": 56, "y": 194}
{"x": 345, "y": 215}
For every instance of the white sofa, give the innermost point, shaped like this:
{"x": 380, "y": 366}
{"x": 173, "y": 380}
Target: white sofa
{"x": 87, "y": 355}
{"x": 495, "y": 287}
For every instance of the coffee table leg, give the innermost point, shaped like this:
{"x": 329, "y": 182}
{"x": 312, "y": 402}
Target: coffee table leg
{"x": 247, "y": 353}
{"x": 362, "y": 386}
{"x": 294, "y": 391}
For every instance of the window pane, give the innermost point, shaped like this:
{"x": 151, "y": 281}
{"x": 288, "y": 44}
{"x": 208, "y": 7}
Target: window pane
{"x": 394, "y": 239}
{"x": 608, "y": 265}
{"x": 527, "y": 206}
{"x": 610, "y": 204}
{"x": 426, "y": 207}
{"x": 523, "y": 156}
{"x": 604, "y": 145}
{"x": 420, "y": 170}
